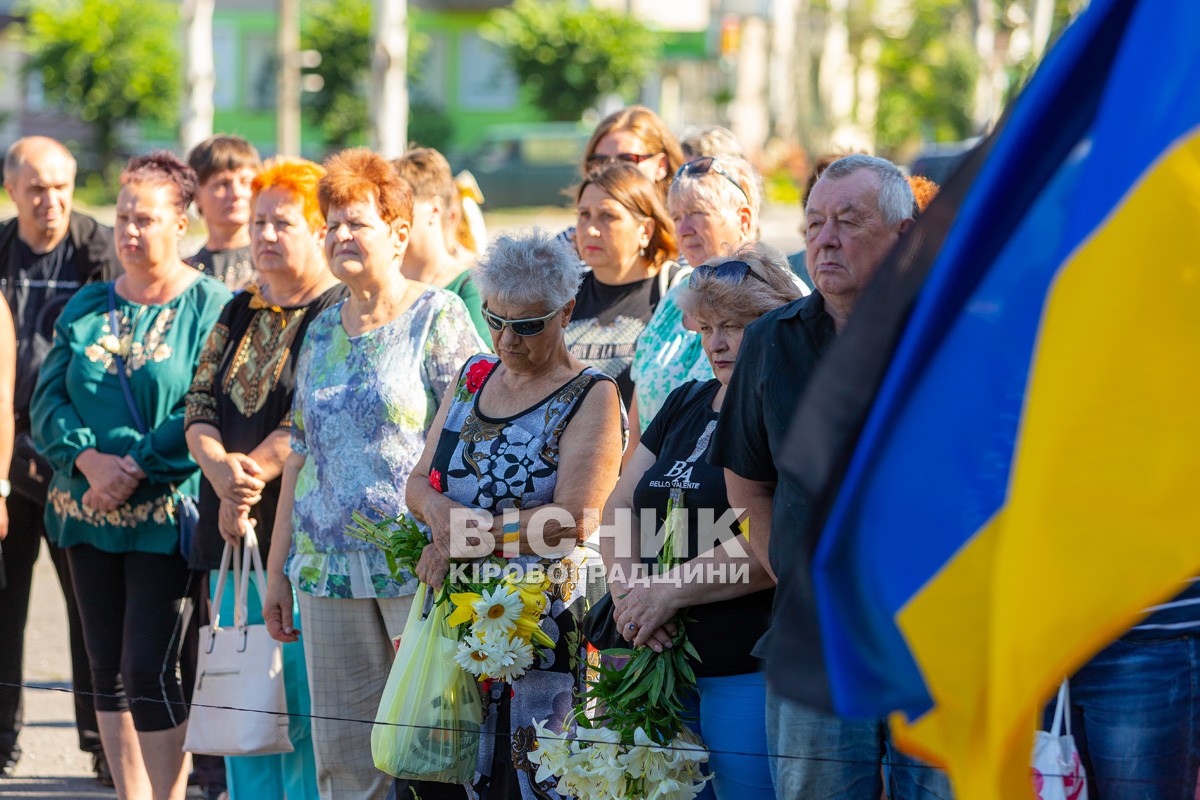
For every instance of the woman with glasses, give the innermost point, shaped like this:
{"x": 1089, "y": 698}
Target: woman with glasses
{"x": 670, "y": 466}
{"x": 714, "y": 203}
{"x": 624, "y": 234}
{"x": 371, "y": 373}
{"x": 635, "y": 135}
{"x": 529, "y": 430}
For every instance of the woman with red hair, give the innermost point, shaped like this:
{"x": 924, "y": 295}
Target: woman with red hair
{"x": 370, "y": 378}
{"x": 238, "y": 416}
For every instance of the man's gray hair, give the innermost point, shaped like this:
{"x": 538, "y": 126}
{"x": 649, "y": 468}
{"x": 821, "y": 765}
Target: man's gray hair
{"x": 896, "y": 200}
{"x": 532, "y": 266}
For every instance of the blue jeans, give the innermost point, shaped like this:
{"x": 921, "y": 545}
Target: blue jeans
{"x": 819, "y": 756}
{"x": 1135, "y": 715}
{"x": 730, "y": 718}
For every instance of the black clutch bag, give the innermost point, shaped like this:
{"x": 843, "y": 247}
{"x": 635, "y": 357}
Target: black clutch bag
{"x": 30, "y": 472}
{"x": 599, "y": 627}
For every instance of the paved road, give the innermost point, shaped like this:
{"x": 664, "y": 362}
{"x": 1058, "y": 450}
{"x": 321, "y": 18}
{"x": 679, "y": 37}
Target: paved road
{"x": 52, "y": 766}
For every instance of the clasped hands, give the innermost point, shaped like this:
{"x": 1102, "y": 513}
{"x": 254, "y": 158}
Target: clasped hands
{"x": 112, "y": 480}
{"x": 643, "y": 611}
{"x": 235, "y": 480}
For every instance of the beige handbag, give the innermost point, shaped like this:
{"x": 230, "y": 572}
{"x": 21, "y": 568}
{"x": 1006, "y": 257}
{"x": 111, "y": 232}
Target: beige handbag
{"x": 239, "y": 707}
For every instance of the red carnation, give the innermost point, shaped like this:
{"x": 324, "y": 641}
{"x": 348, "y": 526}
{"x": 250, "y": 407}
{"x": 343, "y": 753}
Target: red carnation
{"x": 435, "y": 480}
{"x": 477, "y": 373}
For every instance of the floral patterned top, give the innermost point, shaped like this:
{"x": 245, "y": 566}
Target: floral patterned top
{"x": 512, "y": 463}
{"x": 668, "y": 355}
{"x": 361, "y": 408}
{"x": 79, "y": 404}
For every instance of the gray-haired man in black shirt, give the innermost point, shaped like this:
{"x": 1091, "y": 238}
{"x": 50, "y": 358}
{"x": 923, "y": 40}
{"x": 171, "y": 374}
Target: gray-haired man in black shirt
{"x": 855, "y": 214}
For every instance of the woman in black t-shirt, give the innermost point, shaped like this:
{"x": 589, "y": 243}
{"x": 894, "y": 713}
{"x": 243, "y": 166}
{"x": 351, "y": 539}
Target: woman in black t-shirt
{"x": 627, "y": 238}
{"x": 728, "y": 599}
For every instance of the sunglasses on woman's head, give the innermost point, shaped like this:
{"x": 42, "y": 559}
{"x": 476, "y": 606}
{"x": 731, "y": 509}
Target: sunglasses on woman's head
{"x": 731, "y": 271}
{"x": 595, "y": 161}
{"x": 702, "y": 166}
{"x": 531, "y": 326}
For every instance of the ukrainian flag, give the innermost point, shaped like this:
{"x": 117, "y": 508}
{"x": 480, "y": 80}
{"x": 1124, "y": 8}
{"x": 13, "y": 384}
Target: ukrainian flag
{"x": 1026, "y": 481}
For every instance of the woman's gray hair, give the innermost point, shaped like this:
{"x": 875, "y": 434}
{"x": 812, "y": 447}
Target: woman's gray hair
{"x": 714, "y": 191}
{"x": 896, "y": 200}
{"x": 531, "y": 266}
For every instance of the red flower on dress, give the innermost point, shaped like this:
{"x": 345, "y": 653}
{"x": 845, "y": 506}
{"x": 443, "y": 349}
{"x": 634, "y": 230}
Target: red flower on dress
{"x": 435, "y": 480}
{"x": 477, "y": 373}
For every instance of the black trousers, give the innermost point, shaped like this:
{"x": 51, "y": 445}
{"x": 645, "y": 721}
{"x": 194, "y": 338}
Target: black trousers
{"x": 26, "y": 531}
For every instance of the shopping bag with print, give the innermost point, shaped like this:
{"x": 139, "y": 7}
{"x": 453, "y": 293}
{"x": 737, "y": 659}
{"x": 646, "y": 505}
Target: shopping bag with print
{"x": 1057, "y": 769}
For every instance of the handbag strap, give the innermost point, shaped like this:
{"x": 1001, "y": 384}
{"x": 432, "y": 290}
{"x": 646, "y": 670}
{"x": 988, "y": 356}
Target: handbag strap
{"x": 115, "y": 326}
{"x": 227, "y": 560}
{"x": 244, "y": 563}
{"x": 1062, "y": 710}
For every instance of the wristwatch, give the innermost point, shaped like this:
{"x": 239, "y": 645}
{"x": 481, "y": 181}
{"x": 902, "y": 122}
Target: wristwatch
{"x": 5, "y": 487}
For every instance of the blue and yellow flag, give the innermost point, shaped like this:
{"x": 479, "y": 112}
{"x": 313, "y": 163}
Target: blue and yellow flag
{"x": 1024, "y": 484}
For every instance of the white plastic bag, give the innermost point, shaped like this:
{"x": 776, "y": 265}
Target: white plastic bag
{"x": 1057, "y": 770}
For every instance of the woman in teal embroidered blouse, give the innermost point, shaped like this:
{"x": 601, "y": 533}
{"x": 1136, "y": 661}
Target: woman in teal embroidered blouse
{"x": 113, "y": 495}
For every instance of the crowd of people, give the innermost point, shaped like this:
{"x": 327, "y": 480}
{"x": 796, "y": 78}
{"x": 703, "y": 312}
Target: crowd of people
{"x": 346, "y": 340}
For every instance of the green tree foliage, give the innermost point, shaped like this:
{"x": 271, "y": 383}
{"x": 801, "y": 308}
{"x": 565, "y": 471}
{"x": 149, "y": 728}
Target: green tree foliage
{"x": 112, "y": 63}
{"x": 927, "y": 76}
{"x": 340, "y": 30}
{"x": 569, "y": 57}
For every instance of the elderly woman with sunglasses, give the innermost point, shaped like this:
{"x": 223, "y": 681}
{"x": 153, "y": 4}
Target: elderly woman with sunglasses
{"x": 369, "y": 379}
{"x": 527, "y": 431}
{"x": 714, "y": 203}
{"x": 625, "y": 236}
{"x": 670, "y": 466}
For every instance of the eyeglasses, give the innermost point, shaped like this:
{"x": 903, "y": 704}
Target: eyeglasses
{"x": 702, "y": 166}
{"x": 732, "y": 271}
{"x": 595, "y": 161}
{"x": 531, "y": 326}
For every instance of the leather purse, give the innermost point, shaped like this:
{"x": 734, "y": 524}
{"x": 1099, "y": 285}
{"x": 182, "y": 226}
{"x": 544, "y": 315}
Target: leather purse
{"x": 599, "y": 627}
{"x": 239, "y": 706}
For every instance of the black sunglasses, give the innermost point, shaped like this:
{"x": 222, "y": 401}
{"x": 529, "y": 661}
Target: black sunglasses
{"x": 732, "y": 271}
{"x": 531, "y": 326}
{"x": 705, "y": 165}
{"x": 595, "y": 160}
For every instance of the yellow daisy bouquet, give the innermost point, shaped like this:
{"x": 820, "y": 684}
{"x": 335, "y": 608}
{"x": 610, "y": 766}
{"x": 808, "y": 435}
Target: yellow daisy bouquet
{"x": 498, "y": 606}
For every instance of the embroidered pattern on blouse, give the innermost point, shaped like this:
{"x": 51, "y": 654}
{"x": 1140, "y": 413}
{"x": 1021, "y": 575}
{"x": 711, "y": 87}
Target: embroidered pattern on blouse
{"x": 260, "y": 358}
{"x": 160, "y": 510}
{"x": 201, "y": 404}
{"x": 152, "y": 349}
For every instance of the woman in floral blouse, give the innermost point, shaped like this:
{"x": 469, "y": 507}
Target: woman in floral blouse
{"x": 371, "y": 374}
{"x": 519, "y": 434}
{"x": 120, "y": 466}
